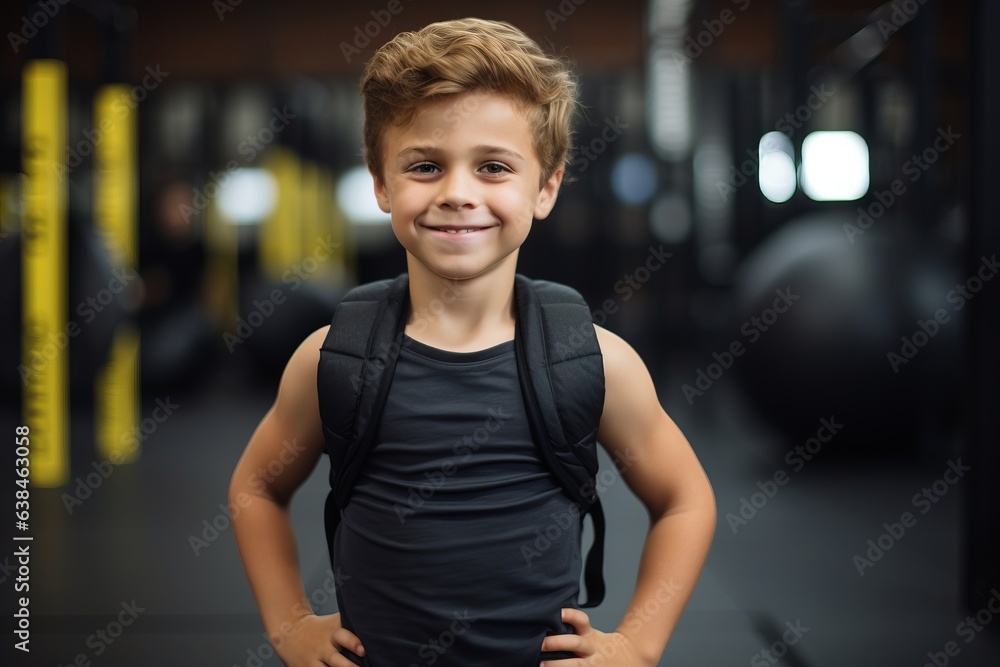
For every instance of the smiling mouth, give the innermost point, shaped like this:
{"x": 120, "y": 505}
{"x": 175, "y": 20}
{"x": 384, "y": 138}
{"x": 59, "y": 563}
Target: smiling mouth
{"x": 457, "y": 230}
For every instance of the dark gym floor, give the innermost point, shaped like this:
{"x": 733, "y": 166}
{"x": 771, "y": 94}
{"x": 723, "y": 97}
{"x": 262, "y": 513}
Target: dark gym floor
{"x": 129, "y": 550}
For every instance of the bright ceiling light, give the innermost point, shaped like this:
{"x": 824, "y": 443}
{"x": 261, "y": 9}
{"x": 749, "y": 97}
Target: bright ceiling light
{"x": 356, "y": 196}
{"x": 776, "y": 172}
{"x": 248, "y": 197}
{"x": 834, "y": 166}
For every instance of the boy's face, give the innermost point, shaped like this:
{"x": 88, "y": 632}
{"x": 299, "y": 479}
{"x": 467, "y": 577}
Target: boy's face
{"x": 465, "y": 162}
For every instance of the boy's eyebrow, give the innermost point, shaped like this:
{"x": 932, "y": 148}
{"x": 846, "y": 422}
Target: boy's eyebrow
{"x": 412, "y": 152}
{"x": 415, "y": 151}
{"x": 498, "y": 150}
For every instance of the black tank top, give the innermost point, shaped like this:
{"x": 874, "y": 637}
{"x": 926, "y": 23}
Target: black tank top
{"x": 457, "y": 546}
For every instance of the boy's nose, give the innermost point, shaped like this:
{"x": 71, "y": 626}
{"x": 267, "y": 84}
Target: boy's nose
{"x": 458, "y": 190}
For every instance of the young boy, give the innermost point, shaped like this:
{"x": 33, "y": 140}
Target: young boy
{"x": 467, "y": 132}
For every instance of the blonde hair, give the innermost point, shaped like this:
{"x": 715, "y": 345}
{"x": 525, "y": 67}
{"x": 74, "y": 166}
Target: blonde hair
{"x": 462, "y": 56}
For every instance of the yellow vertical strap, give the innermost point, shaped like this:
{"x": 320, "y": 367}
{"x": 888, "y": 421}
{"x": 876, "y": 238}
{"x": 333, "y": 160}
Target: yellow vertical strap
{"x": 116, "y": 400}
{"x": 117, "y": 384}
{"x": 281, "y": 233}
{"x": 44, "y": 369}
{"x": 115, "y": 172}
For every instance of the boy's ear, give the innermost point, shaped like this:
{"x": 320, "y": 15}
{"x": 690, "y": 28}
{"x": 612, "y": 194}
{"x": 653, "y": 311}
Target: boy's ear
{"x": 547, "y": 196}
{"x": 381, "y": 195}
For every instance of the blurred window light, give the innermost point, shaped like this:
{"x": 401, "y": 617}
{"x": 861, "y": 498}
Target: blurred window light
{"x": 356, "y": 196}
{"x": 670, "y": 218}
{"x": 668, "y": 16}
{"x": 633, "y": 179}
{"x": 248, "y": 197}
{"x": 776, "y": 172}
{"x": 834, "y": 166}
{"x": 669, "y": 99}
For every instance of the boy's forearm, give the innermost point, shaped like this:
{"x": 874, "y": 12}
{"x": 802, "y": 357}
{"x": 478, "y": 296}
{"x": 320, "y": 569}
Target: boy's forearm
{"x": 672, "y": 558}
{"x": 266, "y": 543}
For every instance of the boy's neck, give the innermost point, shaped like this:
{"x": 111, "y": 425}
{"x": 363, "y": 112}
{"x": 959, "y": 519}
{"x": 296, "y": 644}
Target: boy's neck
{"x": 461, "y": 315}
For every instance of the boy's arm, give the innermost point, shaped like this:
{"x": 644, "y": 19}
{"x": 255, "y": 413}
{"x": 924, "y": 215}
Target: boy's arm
{"x": 280, "y": 456}
{"x": 659, "y": 466}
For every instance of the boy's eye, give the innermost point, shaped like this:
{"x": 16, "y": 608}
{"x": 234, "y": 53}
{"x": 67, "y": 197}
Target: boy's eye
{"x": 423, "y": 168}
{"x": 494, "y": 168}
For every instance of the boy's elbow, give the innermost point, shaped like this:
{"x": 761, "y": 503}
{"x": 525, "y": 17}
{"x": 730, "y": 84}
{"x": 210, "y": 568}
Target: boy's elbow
{"x": 237, "y": 494}
{"x": 708, "y": 508}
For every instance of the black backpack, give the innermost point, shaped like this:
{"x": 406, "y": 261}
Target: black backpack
{"x": 559, "y": 365}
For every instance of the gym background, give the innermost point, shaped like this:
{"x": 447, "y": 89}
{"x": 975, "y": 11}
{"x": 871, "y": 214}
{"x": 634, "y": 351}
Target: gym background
{"x": 784, "y": 205}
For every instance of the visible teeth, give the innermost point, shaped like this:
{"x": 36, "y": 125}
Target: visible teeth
{"x": 459, "y": 231}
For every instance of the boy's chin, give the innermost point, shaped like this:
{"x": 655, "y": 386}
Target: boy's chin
{"x": 454, "y": 271}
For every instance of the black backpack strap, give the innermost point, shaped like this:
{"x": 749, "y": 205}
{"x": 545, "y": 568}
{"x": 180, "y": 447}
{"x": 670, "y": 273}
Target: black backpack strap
{"x": 558, "y": 356}
{"x": 593, "y": 573}
{"x": 357, "y": 361}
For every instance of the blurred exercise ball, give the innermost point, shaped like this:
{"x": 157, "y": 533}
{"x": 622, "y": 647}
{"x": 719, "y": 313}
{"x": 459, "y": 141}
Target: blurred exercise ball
{"x": 848, "y": 332}
{"x": 275, "y": 318}
{"x": 97, "y": 294}
{"x": 179, "y": 345}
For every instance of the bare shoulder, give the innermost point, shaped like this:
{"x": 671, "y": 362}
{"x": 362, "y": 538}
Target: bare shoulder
{"x": 621, "y": 361}
{"x": 611, "y": 343}
{"x": 661, "y": 468}
{"x": 289, "y": 439}
{"x": 630, "y": 398}
{"x": 297, "y": 395}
